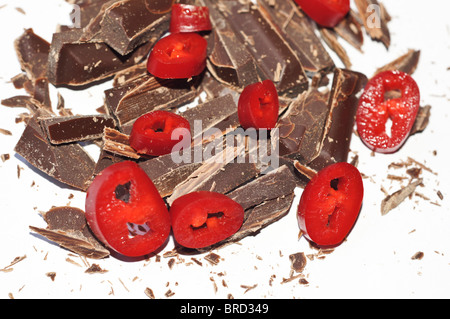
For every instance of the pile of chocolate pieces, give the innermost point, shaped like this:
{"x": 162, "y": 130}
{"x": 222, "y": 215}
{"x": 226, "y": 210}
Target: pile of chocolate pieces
{"x": 249, "y": 43}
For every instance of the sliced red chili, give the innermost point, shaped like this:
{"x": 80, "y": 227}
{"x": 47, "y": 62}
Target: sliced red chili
{"x": 125, "y": 211}
{"x": 201, "y": 219}
{"x": 327, "y": 13}
{"x": 375, "y": 113}
{"x": 178, "y": 56}
{"x": 189, "y": 18}
{"x": 156, "y": 133}
{"x": 258, "y": 106}
{"x": 330, "y": 204}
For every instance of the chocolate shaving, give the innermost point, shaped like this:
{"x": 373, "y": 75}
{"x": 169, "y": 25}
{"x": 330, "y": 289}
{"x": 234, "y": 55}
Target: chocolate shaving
{"x": 375, "y": 20}
{"x": 67, "y": 227}
{"x": 406, "y": 63}
{"x": 118, "y": 143}
{"x": 298, "y": 262}
{"x": 395, "y": 199}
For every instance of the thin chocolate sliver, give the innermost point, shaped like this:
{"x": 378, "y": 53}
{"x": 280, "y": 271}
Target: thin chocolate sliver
{"x": 68, "y": 129}
{"x": 67, "y": 227}
{"x": 118, "y": 143}
{"x": 406, "y": 63}
{"x": 350, "y": 29}
{"x": 67, "y": 163}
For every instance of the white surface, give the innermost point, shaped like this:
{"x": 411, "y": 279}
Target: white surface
{"x": 374, "y": 262}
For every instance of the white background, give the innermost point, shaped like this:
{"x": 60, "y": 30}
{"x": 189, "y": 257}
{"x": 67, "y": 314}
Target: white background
{"x": 374, "y": 262}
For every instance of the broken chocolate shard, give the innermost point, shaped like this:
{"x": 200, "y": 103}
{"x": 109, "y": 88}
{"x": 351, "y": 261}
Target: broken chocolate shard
{"x": 299, "y": 32}
{"x": 406, "y": 63}
{"x": 67, "y": 227}
{"x": 127, "y": 24}
{"x": 302, "y": 127}
{"x": 88, "y": 62}
{"x": 275, "y": 58}
{"x": 375, "y": 20}
{"x": 350, "y": 29}
{"x": 68, "y": 129}
{"x": 147, "y": 94}
{"x": 229, "y": 61}
{"x": 344, "y": 98}
{"x": 263, "y": 215}
{"x": 395, "y": 199}
{"x": 68, "y": 163}
{"x": 330, "y": 37}
{"x": 276, "y": 184}
{"x": 32, "y": 52}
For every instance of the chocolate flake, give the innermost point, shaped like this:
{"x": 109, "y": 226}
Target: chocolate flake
{"x": 395, "y": 199}
{"x": 298, "y": 262}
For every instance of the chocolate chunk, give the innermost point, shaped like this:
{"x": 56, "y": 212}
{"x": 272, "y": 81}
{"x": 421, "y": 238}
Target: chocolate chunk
{"x": 375, "y": 20}
{"x": 147, "y": 94}
{"x": 406, "y": 63}
{"x": 277, "y": 61}
{"x": 229, "y": 61}
{"x": 263, "y": 215}
{"x": 275, "y": 184}
{"x": 166, "y": 174}
{"x": 67, "y": 129}
{"x": 127, "y": 24}
{"x": 344, "y": 98}
{"x": 67, "y": 163}
{"x": 33, "y": 52}
{"x": 88, "y": 62}
{"x": 302, "y": 127}
{"x": 41, "y": 93}
{"x": 67, "y": 227}
{"x": 299, "y": 32}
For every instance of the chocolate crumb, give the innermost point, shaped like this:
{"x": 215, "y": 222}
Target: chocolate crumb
{"x": 95, "y": 269}
{"x": 149, "y": 293}
{"x": 171, "y": 262}
{"x": 5, "y": 132}
{"x": 248, "y": 288}
{"x": 169, "y": 293}
{"x": 418, "y": 256}
{"x": 5, "y": 157}
{"x": 213, "y": 258}
{"x": 298, "y": 262}
{"x": 51, "y": 275}
{"x": 441, "y": 197}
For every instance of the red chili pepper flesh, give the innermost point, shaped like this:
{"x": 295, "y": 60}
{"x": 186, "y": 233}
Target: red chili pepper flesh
{"x": 178, "y": 56}
{"x": 201, "y": 219}
{"x": 327, "y": 13}
{"x": 258, "y": 106}
{"x": 125, "y": 211}
{"x": 330, "y": 204}
{"x": 156, "y": 133}
{"x": 189, "y": 18}
{"x": 374, "y": 112}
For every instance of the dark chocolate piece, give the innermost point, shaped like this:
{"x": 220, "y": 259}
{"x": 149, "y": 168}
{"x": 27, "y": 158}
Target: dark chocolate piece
{"x": 299, "y": 32}
{"x": 88, "y": 62}
{"x": 261, "y": 216}
{"x": 275, "y": 184}
{"x": 422, "y": 119}
{"x": 375, "y": 20}
{"x": 67, "y": 163}
{"x": 166, "y": 174}
{"x": 298, "y": 262}
{"x": 395, "y": 199}
{"x": 41, "y": 93}
{"x": 127, "y": 24}
{"x": 277, "y": 61}
{"x": 302, "y": 127}
{"x": 147, "y": 94}
{"x": 344, "y": 98}
{"x": 67, "y": 227}
{"x": 67, "y": 129}
{"x": 229, "y": 61}
{"x": 406, "y": 63}
{"x": 32, "y": 52}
